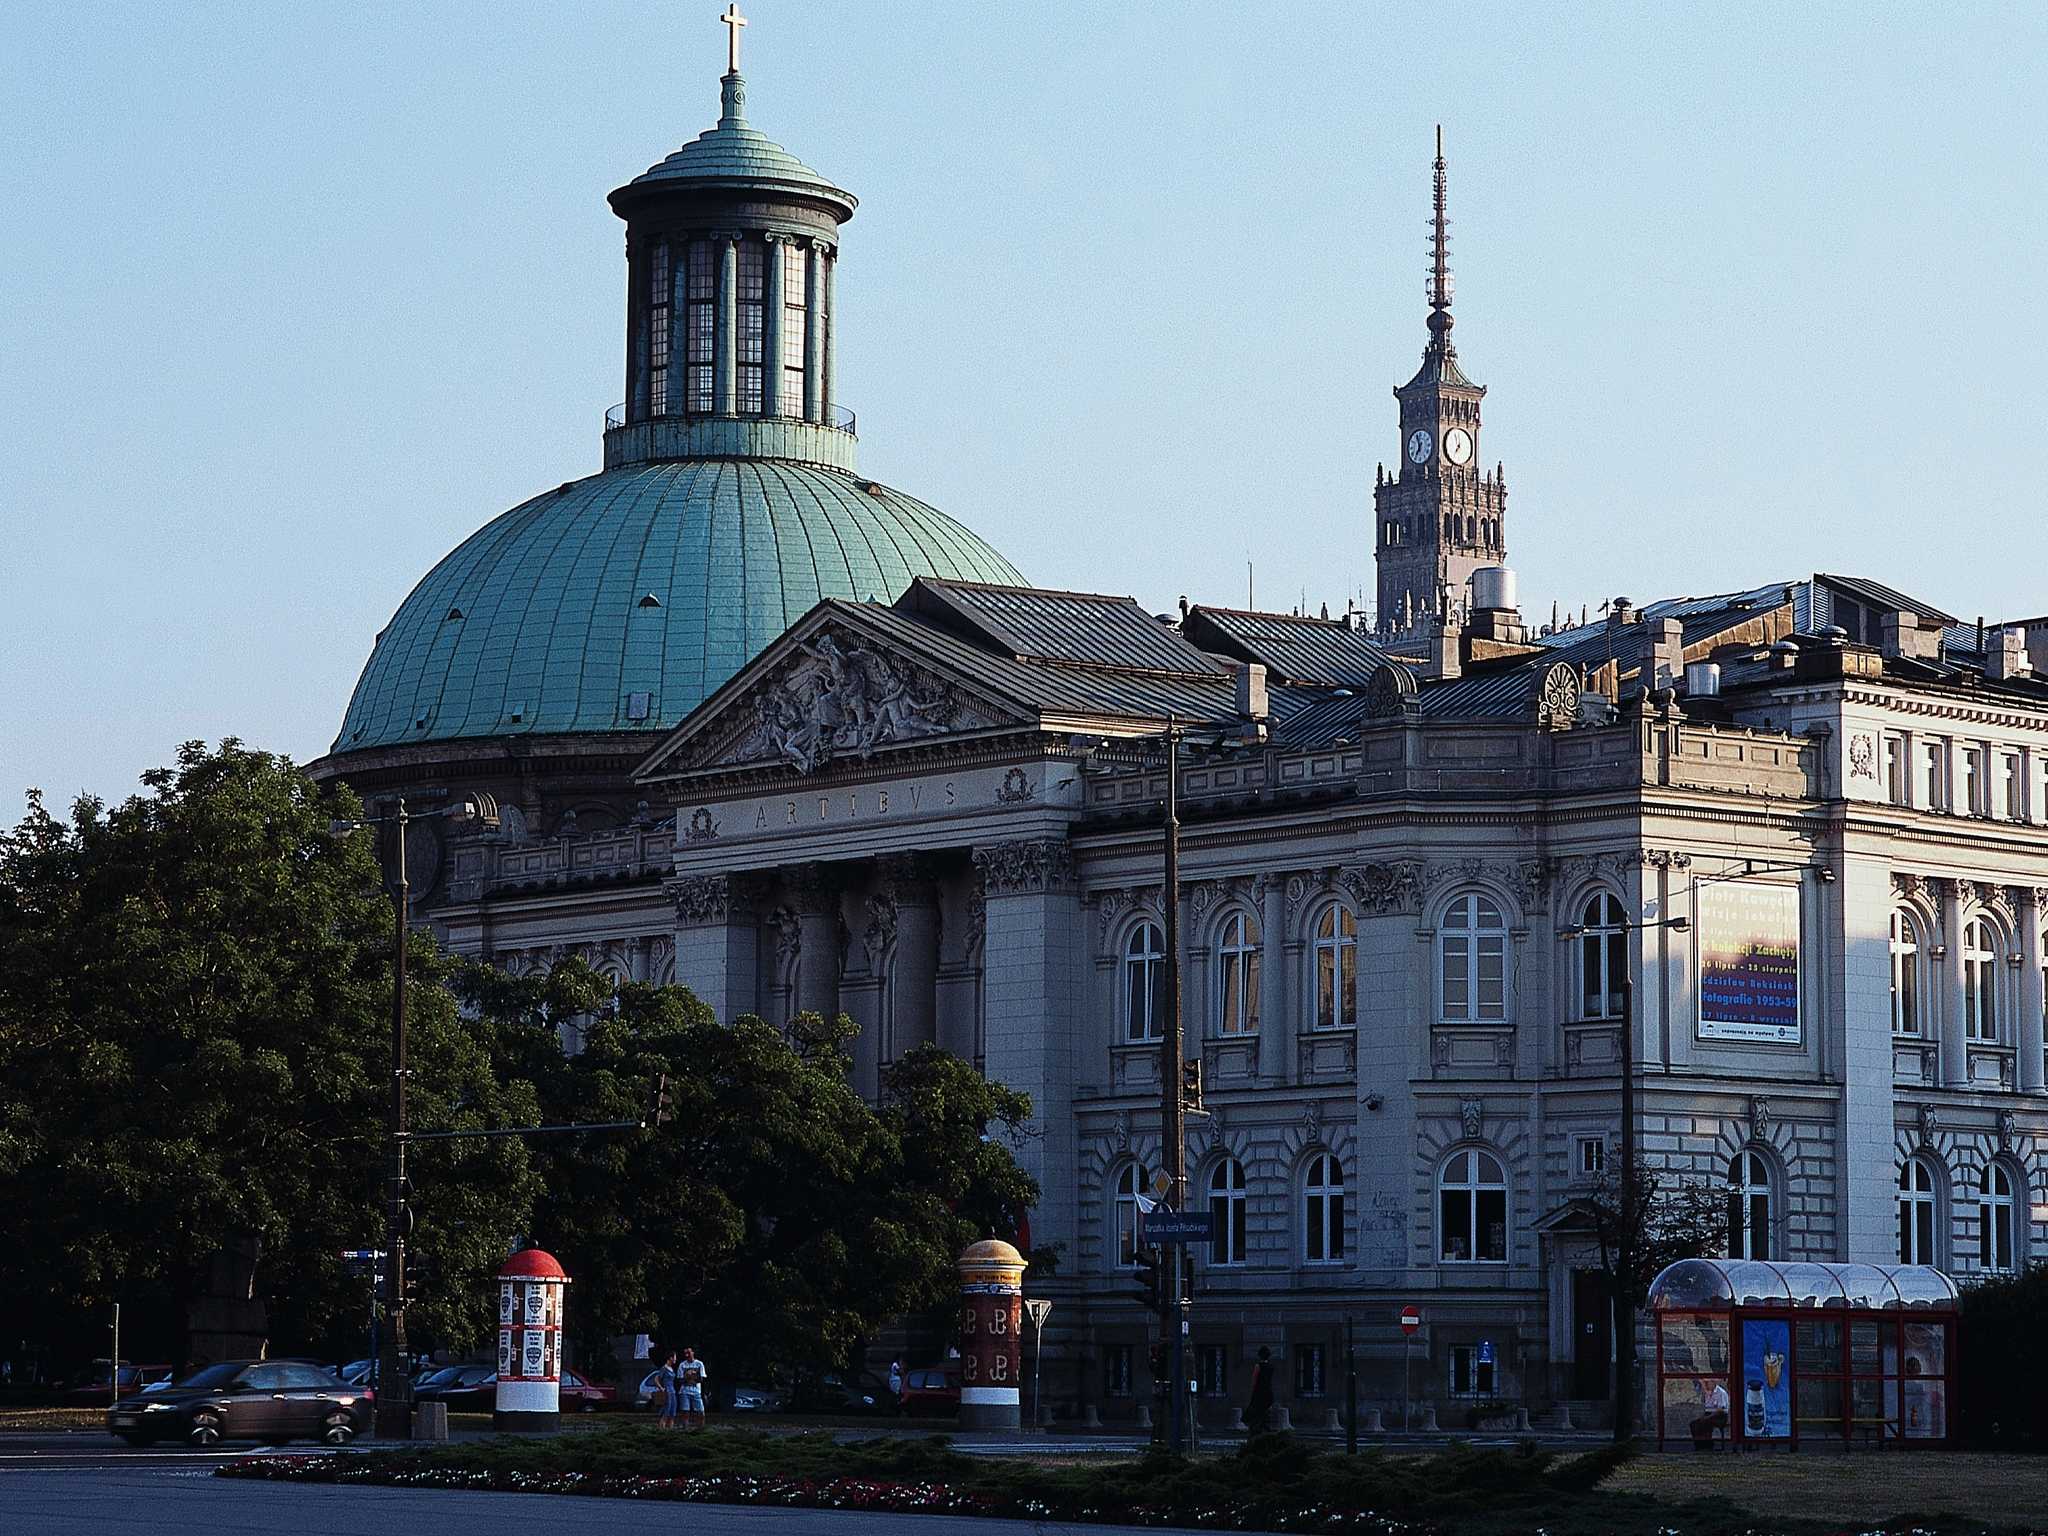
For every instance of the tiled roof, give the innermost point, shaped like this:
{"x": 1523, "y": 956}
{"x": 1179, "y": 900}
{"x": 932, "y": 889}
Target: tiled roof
{"x": 1294, "y": 649}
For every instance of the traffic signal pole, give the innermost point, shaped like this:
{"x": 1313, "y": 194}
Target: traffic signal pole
{"x": 394, "y": 1385}
{"x": 1173, "y": 1315}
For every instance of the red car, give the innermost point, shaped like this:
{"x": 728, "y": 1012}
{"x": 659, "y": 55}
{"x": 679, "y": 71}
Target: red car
{"x": 934, "y": 1392}
{"x": 582, "y": 1395}
{"x": 475, "y": 1390}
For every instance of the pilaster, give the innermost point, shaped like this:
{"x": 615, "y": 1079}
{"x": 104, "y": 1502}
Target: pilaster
{"x": 725, "y": 340}
{"x": 771, "y": 324}
{"x": 1955, "y": 1051}
{"x": 814, "y": 332}
{"x": 825, "y": 323}
{"x": 1278, "y": 1025}
{"x": 815, "y": 893}
{"x": 2028, "y": 1031}
{"x": 718, "y": 942}
{"x": 1860, "y": 967}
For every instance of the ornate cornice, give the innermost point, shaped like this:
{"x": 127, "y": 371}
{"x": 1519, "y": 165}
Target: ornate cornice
{"x": 1394, "y": 885}
{"x": 1027, "y": 865}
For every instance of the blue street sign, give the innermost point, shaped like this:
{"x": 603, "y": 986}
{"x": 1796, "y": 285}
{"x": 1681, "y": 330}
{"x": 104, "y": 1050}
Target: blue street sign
{"x": 1179, "y": 1227}
{"x": 1486, "y": 1351}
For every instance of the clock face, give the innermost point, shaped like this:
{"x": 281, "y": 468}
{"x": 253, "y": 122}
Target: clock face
{"x": 1419, "y": 444}
{"x": 1458, "y": 445}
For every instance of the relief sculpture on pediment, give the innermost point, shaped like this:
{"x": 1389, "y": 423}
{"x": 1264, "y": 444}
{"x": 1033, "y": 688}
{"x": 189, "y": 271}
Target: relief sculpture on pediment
{"x": 840, "y": 697}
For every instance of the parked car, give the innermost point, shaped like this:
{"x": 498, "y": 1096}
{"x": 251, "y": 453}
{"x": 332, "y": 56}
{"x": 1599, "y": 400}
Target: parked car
{"x": 749, "y": 1398}
{"x": 269, "y": 1400}
{"x": 933, "y": 1391}
{"x": 96, "y": 1385}
{"x": 464, "y": 1388}
{"x": 831, "y": 1393}
{"x": 582, "y": 1395}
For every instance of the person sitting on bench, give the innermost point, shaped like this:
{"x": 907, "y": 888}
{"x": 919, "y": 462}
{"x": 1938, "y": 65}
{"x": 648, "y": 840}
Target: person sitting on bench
{"x": 1714, "y": 1417}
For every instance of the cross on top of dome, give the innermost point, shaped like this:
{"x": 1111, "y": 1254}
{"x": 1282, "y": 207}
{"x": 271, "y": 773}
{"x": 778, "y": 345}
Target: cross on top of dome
{"x": 733, "y": 22}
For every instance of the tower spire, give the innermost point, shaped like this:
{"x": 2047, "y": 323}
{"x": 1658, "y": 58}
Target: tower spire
{"x": 1440, "y": 284}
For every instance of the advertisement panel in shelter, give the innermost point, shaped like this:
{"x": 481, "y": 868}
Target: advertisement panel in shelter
{"x": 1749, "y": 961}
{"x": 1766, "y": 1379}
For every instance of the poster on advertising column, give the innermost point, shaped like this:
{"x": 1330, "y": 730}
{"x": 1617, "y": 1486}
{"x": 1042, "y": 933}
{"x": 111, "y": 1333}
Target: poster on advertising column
{"x": 1749, "y": 961}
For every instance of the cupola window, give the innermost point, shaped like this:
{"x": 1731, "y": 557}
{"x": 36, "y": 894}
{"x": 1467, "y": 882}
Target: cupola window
{"x": 753, "y": 294}
{"x": 658, "y": 291}
{"x": 700, "y": 328}
{"x": 796, "y": 276}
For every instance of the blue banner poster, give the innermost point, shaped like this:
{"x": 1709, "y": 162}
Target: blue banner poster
{"x": 1767, "y": 1380}
{"x": 1748, "y": 936}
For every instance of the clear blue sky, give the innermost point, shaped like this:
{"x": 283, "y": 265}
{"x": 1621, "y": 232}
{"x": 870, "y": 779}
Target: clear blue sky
{"x": 293, "y": 298}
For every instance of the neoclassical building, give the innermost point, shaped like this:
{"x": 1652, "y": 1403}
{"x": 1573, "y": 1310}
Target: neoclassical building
{"x": 1807, "y": 821}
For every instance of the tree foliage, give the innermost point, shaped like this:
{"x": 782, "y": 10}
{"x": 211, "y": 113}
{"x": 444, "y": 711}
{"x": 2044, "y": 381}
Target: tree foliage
{"x": 1674, "y": 1216}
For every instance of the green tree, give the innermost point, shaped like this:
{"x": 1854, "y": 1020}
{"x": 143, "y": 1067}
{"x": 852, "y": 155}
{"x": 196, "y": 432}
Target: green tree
{"x": 195, "y": 990}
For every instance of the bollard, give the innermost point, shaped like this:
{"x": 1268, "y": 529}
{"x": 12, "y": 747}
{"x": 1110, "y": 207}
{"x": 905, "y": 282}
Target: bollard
{"x": 1091, "y": 1418}
{"x": 1564, "y": 1415}
{"x": 430, "y": 1421}
{"x": 1372, "y": 1423}
{"x": 1428, "y": 1424}
{"x": 1144, "y": 1415}
{"x": 1279, "y": 1419}
{"x": 1333, "y": 1423}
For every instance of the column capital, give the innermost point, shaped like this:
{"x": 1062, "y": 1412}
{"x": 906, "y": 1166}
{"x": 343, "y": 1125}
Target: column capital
{"x": 910, "y": 879}
{"x": 814, "y": 888}
{"x": 780, "y": 237}
{"x": 1027, "y": 865}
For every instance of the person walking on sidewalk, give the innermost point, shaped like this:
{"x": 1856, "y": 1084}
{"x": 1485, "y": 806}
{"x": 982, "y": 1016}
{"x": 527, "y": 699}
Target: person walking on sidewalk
{"x": 690, "y": 1379}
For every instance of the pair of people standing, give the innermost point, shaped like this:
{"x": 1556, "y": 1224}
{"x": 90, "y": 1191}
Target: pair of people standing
{"x": 680, "y": 1382}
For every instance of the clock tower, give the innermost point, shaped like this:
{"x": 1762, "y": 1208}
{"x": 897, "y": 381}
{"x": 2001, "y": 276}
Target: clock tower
{"x": 1439, "y": 518}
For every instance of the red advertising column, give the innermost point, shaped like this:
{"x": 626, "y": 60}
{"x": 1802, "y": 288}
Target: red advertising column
{"x": 531, "y": 1290}
{"x": 991, "y": 1335}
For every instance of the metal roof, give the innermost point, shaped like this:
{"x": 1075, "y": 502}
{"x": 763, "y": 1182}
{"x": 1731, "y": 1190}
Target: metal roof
{"x": 1062, "y": 628}
{"x": 1294, "y": 649}
{"x": 1885, "y": 599}
{"x": 736, "y": 155}
{"x": 617, "y": 603}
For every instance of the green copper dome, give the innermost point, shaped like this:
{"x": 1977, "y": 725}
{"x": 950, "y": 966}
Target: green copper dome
{"x": 618, "y": 602}
{"x": 737, "y": 156}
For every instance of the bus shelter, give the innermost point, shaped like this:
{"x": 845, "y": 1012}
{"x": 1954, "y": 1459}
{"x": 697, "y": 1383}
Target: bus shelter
{"x": 1760, "y": 1355}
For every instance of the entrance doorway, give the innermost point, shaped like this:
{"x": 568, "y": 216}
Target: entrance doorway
{"x": 1592, "y": 1336}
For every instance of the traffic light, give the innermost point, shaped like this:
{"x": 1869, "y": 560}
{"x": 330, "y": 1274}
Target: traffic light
{"x": 664, "y": 1106}
{"x": 1151, "y": 1280}
{"x": 1191, "y": 1086}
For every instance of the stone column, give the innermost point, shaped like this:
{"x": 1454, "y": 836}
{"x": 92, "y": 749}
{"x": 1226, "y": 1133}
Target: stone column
{"x": 912, "y": 907}
{"x": 1034, "y": 958}
{"x": 1955, "y": 1050}
{"x": 2028, "y": 1027}
{"x": 814, "y": 333}
{"x": 725, "y": 338}
{"x": 678, "y": 327}
{"x": 817, "y": 961}
{"x": 825, "y": 323}
{"x": 771, "y": 322}
{"x": 1277, "y": 1027}
{"x": 718, "y": 942}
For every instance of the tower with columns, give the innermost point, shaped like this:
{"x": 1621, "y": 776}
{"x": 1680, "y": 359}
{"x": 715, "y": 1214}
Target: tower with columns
{"x": 1439, "y": 517}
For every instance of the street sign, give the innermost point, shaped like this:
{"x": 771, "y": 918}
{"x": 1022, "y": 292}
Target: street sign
{"x": 1179, "y": 1226}
{"x": 1039, "y": 1309}
{"x": 1161, "y": 1183}
{"x": 1486, "y": 1351}
{"x": 1411, "y": 1319}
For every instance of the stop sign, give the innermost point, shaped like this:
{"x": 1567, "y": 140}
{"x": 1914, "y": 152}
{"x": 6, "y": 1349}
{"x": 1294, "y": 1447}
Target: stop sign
{"x": 1411, "y": 1319}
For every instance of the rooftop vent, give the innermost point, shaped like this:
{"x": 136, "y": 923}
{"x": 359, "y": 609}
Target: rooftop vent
{"x": 453, "y": 615}
{"x": 650, "y": 601}
{"x": 639, "y": 706}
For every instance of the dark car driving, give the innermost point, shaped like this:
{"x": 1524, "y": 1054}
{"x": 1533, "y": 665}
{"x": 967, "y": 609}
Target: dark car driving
{"x": 270, "y": 1400}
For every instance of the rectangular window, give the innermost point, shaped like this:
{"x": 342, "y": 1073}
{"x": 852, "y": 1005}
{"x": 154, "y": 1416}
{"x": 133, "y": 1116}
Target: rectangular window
{"x": 1592, "y": 1156}
{"x": 1308, "y": 1370}
{"x": 1213, "y": 1370}
{"x": 1457, "y": 976}
{"x": 700, "y": 327}
{"x": 1895, "y": 769}
{"x": 753, "y": 292}
{"x": 1934, "y": 770}
{"x": 658, "y": 291}
{"x": 1493, "y": 972}
{"x": 1472, "y": 1370}
{"x": 796, "y": 267}
{"x": 1976, "y": 783}
{"x": 2013, "y": 779}
{"x": 1117, "y": 1368}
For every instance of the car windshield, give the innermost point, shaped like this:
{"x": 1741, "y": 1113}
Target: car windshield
{"x": 445, "y": 1373}
{"x": 212, "y": 1376}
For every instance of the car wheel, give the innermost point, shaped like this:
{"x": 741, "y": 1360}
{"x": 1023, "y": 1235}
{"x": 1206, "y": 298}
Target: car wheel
{"x": 204, "y": 1434}
{"x": 585, "y": 1405}
{"x": 340, "y": 1429}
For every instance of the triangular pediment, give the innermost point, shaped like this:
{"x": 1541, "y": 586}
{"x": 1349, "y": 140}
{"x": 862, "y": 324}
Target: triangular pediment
{"x": 847, "y": 683}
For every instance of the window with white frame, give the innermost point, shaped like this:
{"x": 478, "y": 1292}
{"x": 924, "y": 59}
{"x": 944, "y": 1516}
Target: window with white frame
{"x": 1145, "y": 984}
{"x": 1996, "y": 1218}
{"x": 1603, "y": 957}
{"x": 659, "y": 293}
{"x": 1472, "y": 1209}
{"x": 1310, "y": 1372}
{"x": 1472, "y": 960}
{"x": 1895, "y": 769}
{"x": 752, "y": 271}
{"x": 1905, "y": 949}
{"x": 1336, "y": 969}
{"x": 2013, "y": 786}
{"x": 796, "y": 276}
{"x": 1130, "y": 1188}
{"x": 1916, "y": 1212}
{"x": 1934, "y": 775}
{"x": 1980, "y": 981}
{"x": 1322, "y": 1211}
{"x": 1749, "y": 1206}
{"x": 1591, "y": 1156}
{"x": 1237, "y": 977}
{"x": 700, "y": 325}
{"x": 1227, "y": 1211}
{"x": 1976, "y": 783}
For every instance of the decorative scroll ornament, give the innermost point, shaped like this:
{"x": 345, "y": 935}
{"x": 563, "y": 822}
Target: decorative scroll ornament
{"x": 1557, "y": 702}
{"x": 703, "y": 826}
{"x": 1109, "y": 906}
{"x": 1759, "y": 1117}
{"x": 1532, "y": 884}
{"x": 2008, "y": 1122}
{"x": 1471, "y": 1117}
{"x": 1391, "y": 693}
{"x": 1393, "y": 886}
{"x": 1312, "y": 1118}
{"x": 1120, "y": 1129}
{"x": 1016, "y": 789}
{"x": 842, "y": 697}
{"x": 1862, "y": 757}
{"x": 700, "y": 899}
{"x": 1031, "y": 864}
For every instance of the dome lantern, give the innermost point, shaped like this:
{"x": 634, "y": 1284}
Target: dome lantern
{"x": 731, "y": 248}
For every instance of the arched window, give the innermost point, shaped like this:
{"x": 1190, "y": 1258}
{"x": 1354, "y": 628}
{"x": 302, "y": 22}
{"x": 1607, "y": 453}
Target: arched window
{"x": 1905, "y": 946}
{"x": 1145, "y": 983}
{"x": 1603, "y": 958}
{"x": 1997, "y": 1230}
{"x": 1916, "y": 1212}
{"x": 1980, "y": 981}
{"x": 1472, "y": 962}
{"x": 1472, "y": 1209}
{"x": 1749, "y": 1206}
{"x": 1227, "y": 1209}
{"x": 1322, "y": 1211}
{"x": 1237, "y": 977}
{"x": 1130, "y": 1185}
{"x": 1336, "y": 952}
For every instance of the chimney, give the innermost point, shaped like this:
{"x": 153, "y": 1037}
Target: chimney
{"x": 2006, "y": 657}
{"x": 1900, "y": 635}
{"x": 1667, "y": 652}
{"x": 1442, "y": 655}
{"x": 1251, "y": 700}
{"x": 1621, "y": 612}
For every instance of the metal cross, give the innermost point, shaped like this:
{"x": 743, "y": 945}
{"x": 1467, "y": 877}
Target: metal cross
{"x": 733, "y": 21}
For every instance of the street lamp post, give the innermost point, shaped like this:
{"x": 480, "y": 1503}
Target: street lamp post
{"x": 1173, "y": 1107}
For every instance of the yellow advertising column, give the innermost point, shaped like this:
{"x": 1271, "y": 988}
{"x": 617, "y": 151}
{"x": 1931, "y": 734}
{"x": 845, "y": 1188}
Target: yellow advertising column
{"x": 991, "y": 1335}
